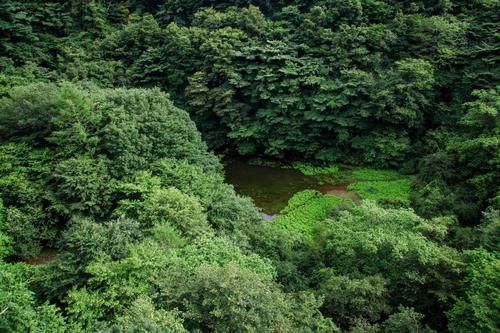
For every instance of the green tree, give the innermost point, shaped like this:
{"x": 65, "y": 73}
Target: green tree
{"x": 347, "y": 299}
{"x": 19, "y": 309}
{"x": 142, "y": 317}
{"x": 472, "y": 153}
{"x": 171, "y": 206}
{"x": 477, "y": 306}
{"x": 395, "y": 244}
{"x": 5, "y": 246}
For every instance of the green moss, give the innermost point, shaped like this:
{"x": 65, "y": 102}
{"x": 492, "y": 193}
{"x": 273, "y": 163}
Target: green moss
{"x": 392, "y": 192}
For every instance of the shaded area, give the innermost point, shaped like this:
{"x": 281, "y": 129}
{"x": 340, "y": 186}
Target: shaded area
{"x": 46, "y": 255}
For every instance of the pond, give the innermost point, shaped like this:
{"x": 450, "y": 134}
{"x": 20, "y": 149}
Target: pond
{"x": 271, "y": 187}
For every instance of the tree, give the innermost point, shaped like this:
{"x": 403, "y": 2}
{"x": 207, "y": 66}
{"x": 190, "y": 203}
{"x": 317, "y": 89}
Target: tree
{"x": 473, "y": 152}
{"x": 171, "y": 206}
{"x": 18, "y": 306}
{"x": 347, "y": 299}
{"x": 396, "y": 244}
{"x": 83, "y": 242}
{"x": 84, "y": 185}
{"x": 22, "y": 184}
{"x": 5, "y": 246}
{"x": 27, "y": 111}
{"x": 477, "y": 307}
{"x": 143, "y": 317}
{"x": 405, "y": 321}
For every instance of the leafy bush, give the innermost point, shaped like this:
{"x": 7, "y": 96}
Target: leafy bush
{"x": 171, "y": 206}
{"x": 346, "y": 299}
{"x": 20, "y": 309}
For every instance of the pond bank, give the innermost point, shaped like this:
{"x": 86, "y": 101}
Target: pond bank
{"x": 339, "y": 190}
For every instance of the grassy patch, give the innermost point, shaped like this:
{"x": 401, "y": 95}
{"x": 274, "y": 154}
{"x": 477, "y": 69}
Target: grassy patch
{"x": 394, "y": 192}
{"x": 367, "y": 174}
{"x": 304, "y": 210}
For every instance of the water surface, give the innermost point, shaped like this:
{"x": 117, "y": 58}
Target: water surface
{"x": 271, "y": 187}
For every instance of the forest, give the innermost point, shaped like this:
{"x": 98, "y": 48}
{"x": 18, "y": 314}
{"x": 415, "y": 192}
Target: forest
{"x": 119, "y": 122}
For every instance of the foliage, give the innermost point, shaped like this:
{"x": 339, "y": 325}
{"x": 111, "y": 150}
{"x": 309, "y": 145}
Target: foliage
{"x": 405, "y": 321}
{"x": 489, "y": 236}
{"x": 476, "y": 309}
{"x": 92, "y": 142}
{"x": 21, "y": 184}
{"x": 370, "y": 240}
{"x": 171, "y": 206}
{"x": 19, "y": 309}
{"x": 5, "y": 246}
{"x": 310, "y": 170}
{"x": 346, "y": 299}
{"x": 392, "y": 67}
{"x": 212, "y": 267}
{"x": 462, "y": 176}
{"x": 395, "y": 192}
{"x": 324, "y": 174}
{"x": 110, "y": 169}
{"x": 286, "y": 240}
{"x": 142, "y": 317}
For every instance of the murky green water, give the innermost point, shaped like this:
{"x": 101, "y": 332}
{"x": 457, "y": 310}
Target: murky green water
{"x": 269, "y": 187}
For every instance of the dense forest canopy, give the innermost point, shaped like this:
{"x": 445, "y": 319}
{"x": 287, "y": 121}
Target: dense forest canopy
{"x": 111, "y": 116}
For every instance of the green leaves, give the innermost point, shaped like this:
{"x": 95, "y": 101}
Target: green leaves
{"x": 473, "y": 152}
{"x": 20, "y": 311}
{"x": 5, "y": 241}
{"x": 477, "y": 307}
{"x": 84, "y": 185}
{"x": 171, "y": 206}
{"x": 346, "y": 299}
{"x": 370, "y": 240}
{"x": 151, "y": 239}
{"x": 406, "y": 92}
{"x": 482, "y": 113}
{"x": 395, "y": 192}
